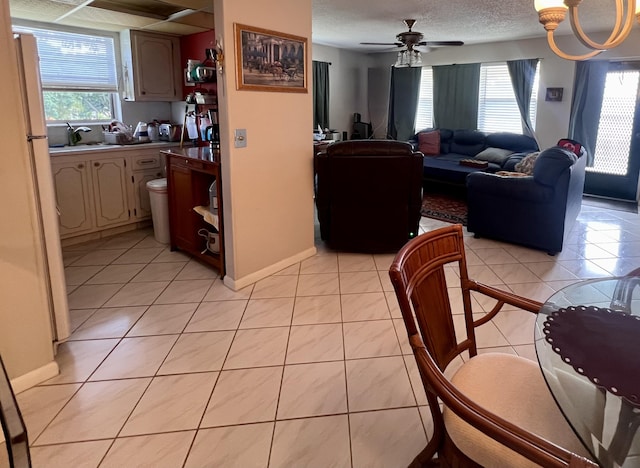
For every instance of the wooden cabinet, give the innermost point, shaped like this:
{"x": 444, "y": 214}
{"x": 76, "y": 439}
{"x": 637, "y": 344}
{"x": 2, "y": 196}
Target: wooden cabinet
{"x": 190, "y": 173}
{"x": 110, "y": 191}
{"x": 74, "y": 199}
{"x": 144, "y": 167}
{"x": 152, "y": 68}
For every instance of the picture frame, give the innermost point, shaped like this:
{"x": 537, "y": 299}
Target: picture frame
{"x": 269, "y": 60}
{"x": 554, "y": 94}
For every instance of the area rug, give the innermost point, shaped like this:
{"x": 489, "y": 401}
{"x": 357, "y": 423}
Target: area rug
{"x": 444, "y": 207}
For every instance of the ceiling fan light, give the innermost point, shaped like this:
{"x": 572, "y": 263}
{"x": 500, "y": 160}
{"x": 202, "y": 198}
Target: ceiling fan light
{"x": 544, "y": 4}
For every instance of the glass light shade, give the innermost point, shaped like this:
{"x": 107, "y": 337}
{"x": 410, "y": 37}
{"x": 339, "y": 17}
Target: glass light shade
{"x": 542, "y": 4}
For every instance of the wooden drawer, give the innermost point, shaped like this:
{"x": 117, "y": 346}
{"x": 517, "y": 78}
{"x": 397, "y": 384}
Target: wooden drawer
{"x": 142, "y": 162}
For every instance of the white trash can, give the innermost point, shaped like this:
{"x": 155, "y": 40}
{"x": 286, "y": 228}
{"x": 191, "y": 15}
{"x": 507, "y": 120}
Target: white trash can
{"x": 159, "y": 201}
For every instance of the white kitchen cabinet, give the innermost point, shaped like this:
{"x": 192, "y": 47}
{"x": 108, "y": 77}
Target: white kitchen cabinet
{"x": 152, "y": 68}
{"x": 109, "y": 180}
{"x": 73, "y": 195}
{"x": 145, "y": 166}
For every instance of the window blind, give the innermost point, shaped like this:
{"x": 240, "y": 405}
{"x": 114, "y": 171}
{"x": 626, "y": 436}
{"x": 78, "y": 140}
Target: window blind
{"x": 71, "y": 61}
{"x": 424, "y": 114}
{"x": 497, "y": 106}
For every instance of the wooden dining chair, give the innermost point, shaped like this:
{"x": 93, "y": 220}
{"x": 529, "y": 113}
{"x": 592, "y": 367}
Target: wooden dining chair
{"x": 498, "y": 411}
{"x": 16, "y": 442}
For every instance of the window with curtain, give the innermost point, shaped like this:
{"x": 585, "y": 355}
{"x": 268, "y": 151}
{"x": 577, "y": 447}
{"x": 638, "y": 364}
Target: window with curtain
{"x": 78, "y": 74}
{"x": 424, "y": 115}
{"x": 497, "y": 105}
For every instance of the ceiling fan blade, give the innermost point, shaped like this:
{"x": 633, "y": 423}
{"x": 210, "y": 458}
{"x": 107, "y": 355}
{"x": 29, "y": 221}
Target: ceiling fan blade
{"x": 441, "y": 43}
{"x": 397, "y": 44}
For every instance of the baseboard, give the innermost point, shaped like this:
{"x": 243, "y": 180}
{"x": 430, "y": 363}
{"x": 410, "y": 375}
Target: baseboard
{"x": 33, "y": 378}
{"x": 237, "y": 284}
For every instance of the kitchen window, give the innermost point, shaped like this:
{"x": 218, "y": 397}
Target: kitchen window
{"x": 78, "y": 73}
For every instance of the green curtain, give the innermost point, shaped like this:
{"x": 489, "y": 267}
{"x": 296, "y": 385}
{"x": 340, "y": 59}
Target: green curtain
{"x": 320, "y": 94}
{"x": 522, "y": 73}
{"x": 455, "y": 96}
{"x": 586, "y": 104}
{"x": 403, "y": 102}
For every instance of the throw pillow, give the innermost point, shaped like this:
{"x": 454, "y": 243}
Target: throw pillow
{"x": 494, "y": 155}
{"x": 510, "y": 174}
{"x": 429, "y": 143}
{"x": 526, "y": 165}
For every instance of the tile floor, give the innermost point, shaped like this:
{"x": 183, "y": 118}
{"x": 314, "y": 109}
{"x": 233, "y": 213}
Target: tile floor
{"x": 167, "y": 367}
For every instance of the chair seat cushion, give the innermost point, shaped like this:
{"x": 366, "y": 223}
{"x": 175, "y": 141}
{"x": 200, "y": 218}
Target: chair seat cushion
{"x": 513, "y": 388}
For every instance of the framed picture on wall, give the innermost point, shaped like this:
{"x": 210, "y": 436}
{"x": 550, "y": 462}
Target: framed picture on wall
{"x": 270, "y": 61}
{"x": 554, "y": 94}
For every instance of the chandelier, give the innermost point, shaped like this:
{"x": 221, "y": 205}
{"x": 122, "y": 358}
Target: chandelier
{"x": 552, "y": 12}
{"x": 408, "y": 58}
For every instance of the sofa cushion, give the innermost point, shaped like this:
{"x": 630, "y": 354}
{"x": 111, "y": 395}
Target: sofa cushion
{"x": 429, "y": 143}
{"x": 513, "y": 141}
{"x": 468, "y": 142}
{"x": 551, "y": 163}
{"x": 526, "y": 165}
{"x": 446, "y": 136}
{"x": 369, "y": 148}
{"x": 494, "y": 155}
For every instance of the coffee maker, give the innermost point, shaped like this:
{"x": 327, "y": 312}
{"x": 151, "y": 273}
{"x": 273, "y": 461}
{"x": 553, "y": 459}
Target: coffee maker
{"x": 212, "y": 135}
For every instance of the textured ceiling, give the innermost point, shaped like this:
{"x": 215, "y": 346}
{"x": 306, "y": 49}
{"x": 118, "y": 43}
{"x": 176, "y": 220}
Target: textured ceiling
{"x": 338, "y": 23}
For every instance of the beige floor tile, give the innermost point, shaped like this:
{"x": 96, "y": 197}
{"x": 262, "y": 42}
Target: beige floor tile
{"x": 378, "y": 383}
{"x": 198, "y": 352}
{"x": 584, "y": 269}
{"x": 275, "y": 286}
{"x": 386, "y": 439}
{"x": 244, "y": 396}
{"x": 258, "y": 347}
{"x": 133, "y": 294}
{"x": 487, "y": 335}
{"x": 318, "y": 284}
{"x": 124, "y": 241}
{"x": 213, "y": 316}
{"x": 39, "y": 405}
{"x": 292, "y": 270}
{"x": 526, "y": 351}
{"x": 150, "y": 451}
{"x": 97, "y": 411}
{"x": 158, "y": 272}
{"x": 219, "y": 292}
{"x": 355, "y": 262}
{"x": 68, "y": 258}
{"x": 551, "y": 271}
{"x": 415, "y": 379}
{"x": 171, "y": 403}
{"x": 164, "y": 319}
{"x": 135, "y": 357}
{"x": 369, "y": 306}
{"x": 227, "y": 446}
{"x": 360, "y": 282}
{"x": 313, "y": 390}
{"x": 195, "y": 270}
{"x": 76, "y": 455}
{"x": 313, "y": 442}
{"x": 78, "y": 359}
{"x": 403, "y": 337}
{"x": 497, "y": 256}
{"x": 385, "y": 280}
{"x": 315, "y": 343}
{"x": 268, "y": 313}
{"x": 77, "y": 275}
{"x": 78, "y": 316}
{"x": 115, "y": 274}
{"x": 516, "y": 326}
{"x": 392, "y": 302}
{"x": 383, "y": 261}
{"x": 513, "y": 273}
{"x": 149, "y": 242}
{"x": 316, "y": 309}
{"x": 168, "y": 256}
{"x": 370, "y": 339}
{"x": 184, "y": 291}
{"x": 427, "y": 420}
{"x": 138, "y": 256}
{"x": 92, "y": 296}
{"x": 99, "y": 257}
{"x": 109, "y": 323}
{"x": 536, "y": 291}
{"x": 319, "y": 264}
{"x": 484, "y": 274}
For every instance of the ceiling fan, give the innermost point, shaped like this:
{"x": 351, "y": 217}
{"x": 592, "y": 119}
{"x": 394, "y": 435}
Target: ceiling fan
{"x": 411, "y": 39}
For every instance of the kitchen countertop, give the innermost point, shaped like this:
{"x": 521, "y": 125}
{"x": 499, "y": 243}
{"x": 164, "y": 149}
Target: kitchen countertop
{"x": 70, "y": 150}
{"x": 202, "y": 153}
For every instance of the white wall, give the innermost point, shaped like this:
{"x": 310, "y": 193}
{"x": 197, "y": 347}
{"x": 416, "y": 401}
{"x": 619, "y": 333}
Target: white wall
{"x": 25, "y": 327}
{"x": 552, "y": 121}
{"x": 347, "y": 85}
{"x": 267, "y": 186}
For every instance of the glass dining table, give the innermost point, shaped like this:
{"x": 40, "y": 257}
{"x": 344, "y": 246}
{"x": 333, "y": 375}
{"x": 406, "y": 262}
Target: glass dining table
{"x": 587, "y": 339}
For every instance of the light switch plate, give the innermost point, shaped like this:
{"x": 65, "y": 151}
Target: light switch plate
{"x": 240, "y": 138}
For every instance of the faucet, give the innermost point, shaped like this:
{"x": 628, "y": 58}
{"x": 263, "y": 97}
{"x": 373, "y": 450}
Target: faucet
{"x": 73, "y": 134}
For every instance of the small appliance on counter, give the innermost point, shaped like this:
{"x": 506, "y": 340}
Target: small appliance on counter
{"x": 169, "y": 132}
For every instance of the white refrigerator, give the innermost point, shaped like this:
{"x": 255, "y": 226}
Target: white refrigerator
{"x": 39, "y": 161}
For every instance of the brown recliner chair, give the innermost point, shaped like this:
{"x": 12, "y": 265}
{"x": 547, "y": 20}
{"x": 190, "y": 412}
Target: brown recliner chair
{"x": 368, "y": 194}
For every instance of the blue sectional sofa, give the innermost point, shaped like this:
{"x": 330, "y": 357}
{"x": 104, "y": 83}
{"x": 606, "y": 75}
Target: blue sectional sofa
{"x": 442, "y": 161}
{"x": 535, "y": 211}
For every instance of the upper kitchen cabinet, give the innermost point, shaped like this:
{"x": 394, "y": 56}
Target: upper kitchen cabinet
{"x": 152, "y": 70}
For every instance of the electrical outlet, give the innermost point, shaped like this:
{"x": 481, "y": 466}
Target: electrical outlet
{"x": 240, "y": 138}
